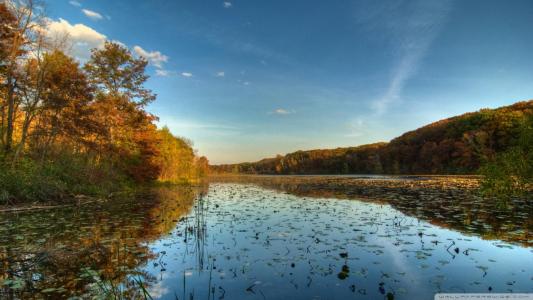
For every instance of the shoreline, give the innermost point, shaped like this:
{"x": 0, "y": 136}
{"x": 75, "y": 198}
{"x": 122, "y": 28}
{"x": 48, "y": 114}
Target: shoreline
{"x": 81, "y": 199}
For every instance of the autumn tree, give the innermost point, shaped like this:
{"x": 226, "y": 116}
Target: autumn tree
{"x": 66, "y": 111}
{"x": 71, "y": 129}
{"x": 120, "y": 103}
{"x": 117, "y": 73}
{"x": 176, "y": 158}
{"x": 202, "y": 166}
{"x": 10, "y": 50}
{"x": 19, "y": 27}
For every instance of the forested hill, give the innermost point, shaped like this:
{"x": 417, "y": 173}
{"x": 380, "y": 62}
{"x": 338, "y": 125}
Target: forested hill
{"x": 457, "y": 145}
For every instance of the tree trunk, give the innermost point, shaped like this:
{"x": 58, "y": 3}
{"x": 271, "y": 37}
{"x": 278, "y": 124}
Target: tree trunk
{"x": 10, "y": 113}
{"x": 2, "y": 123}
{"x": 25, "y": 128}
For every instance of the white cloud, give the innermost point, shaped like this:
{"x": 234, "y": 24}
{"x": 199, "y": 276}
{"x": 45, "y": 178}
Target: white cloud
{"x": 82, "y": 37}
{"x": 158, "y": 290}
{"x": 92, "y": 14}
{"x": 281, "y": 111}
{"x": 227, "y": 4}
{"x": 220, "y": 74}
{"x": 186, "y": 74}
{"x": 155, "y": 58}
{"x": 162, "y": 73}
{"x": 75, "y": 3}
{"x": 120, "y": 43}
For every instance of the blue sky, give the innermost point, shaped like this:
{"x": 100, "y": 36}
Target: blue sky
{"x": 248, "y": 79}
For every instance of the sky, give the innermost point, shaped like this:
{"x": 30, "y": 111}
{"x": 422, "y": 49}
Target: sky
{"x": 249, "y": 79}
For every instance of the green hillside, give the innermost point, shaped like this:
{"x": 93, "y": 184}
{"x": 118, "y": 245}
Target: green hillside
{"x": 457, "y": 145}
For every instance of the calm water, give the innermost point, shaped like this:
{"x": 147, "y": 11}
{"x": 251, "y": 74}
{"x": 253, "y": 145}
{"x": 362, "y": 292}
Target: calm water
{"x": 242, "y": 241}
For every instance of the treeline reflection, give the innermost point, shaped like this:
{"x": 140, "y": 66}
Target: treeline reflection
{"x": 97, "y": 248}
{"x": 449, "y": 202}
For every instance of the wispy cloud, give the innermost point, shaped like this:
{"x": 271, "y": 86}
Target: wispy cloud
{"x": 227, "y": 4}
{"x": 411, "y": 27}
{"x": 161, "y": 73}
{"x": 155, "y": 58}
{"x": 231, "y": 39}
{"x": 164, "y": 73}
{"x": 92, "y": 14}
{"x": 402, "y": 73}
{"x": 356, "y": 128}
{"x": 75, "y": 3}
{"x": 196, "y": 125}
{"x": 186, "y": 74}
{"x": 188, "y": 127}
{"x": 220, "y": 74}
{"x": 281, "y": 111}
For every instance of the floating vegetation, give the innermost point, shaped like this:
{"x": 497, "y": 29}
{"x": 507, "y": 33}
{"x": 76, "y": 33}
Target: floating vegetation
{"x": 87, "y": 250}
{"x": 233, "y": 241}
{"x": 446, "y": 201}
{"x": 345, "y": 273}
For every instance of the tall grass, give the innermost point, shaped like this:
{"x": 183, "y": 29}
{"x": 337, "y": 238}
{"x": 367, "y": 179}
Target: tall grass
{"x": 57, "y": 180}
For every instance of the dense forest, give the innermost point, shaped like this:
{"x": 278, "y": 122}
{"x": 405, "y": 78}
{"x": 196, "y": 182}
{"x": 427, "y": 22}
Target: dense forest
{"x": 457, "y": 145}
{"x": 69, "y": 128}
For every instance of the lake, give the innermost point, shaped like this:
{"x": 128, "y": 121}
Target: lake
{"x": 235, "y": 240}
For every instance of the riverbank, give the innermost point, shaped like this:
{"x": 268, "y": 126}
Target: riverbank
{"x": 67, "y": 199}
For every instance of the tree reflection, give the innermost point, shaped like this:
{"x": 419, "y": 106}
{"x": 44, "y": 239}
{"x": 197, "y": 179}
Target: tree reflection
{"x": 449, "y": 202}
{"x": 91, "y": 249}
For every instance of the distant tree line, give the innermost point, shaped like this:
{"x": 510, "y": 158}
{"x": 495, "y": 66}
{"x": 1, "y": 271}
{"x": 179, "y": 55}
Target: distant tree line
{"x": 457, "y": 145}
{"x": 66, "y": 127}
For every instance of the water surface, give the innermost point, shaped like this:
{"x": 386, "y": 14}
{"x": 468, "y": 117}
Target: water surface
{"x": 243, "y": 241}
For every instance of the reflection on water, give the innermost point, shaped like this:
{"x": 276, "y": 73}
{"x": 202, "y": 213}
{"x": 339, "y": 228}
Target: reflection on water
{"x": 237, "y": 241}
{"x": 64, "y": 251}
{"x": 455, "y": 208}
